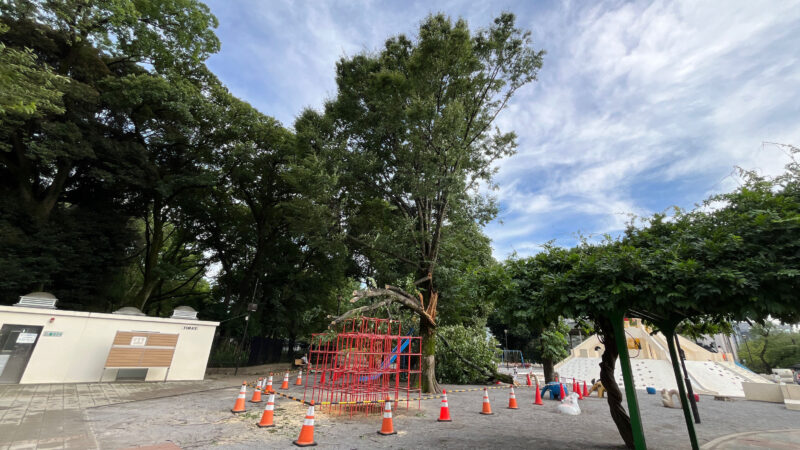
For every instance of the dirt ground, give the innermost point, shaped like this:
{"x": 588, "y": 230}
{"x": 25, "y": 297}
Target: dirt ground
{"x": 203, "y": 420}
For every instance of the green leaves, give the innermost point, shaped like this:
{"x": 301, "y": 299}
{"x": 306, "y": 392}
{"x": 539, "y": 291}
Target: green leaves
{"x": 739, "y": 260}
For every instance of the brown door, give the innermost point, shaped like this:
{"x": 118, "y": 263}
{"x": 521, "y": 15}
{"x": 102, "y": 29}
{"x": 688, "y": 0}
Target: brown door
{"x": 16, "y": 346}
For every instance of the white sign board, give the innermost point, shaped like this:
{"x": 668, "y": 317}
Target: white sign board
{"x": 26, "y": 338}
{"x": 139, "y": 340}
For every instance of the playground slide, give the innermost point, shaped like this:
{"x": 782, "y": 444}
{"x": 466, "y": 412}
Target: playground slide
{"x": 403, "y": 344}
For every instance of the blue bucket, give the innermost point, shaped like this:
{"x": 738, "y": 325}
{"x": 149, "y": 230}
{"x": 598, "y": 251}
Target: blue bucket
{"x": 651, "y": 390}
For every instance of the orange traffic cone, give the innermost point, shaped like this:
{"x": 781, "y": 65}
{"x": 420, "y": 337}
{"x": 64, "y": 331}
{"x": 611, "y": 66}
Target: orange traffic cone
{"x": 306, "y": 438}
{"x": 387, "y": 427}
{"x": 487, "y": 407}
{"x": 257, "y": 392}
{"x": 577, "y": 390}
{"x": 585, "y": 391}
{"x": 538, "y": 400}
{"x": 299, "y": 381}
{"x": 238, "y": 407}
{"x": 266, "y": 418}
{"x": 285, "y": 384}
{"x": 562, "y": 395}
{"x": 269, "y": 389}
{"x": 528, "y": 380}
{"x": 512, "y": 399}
{"x": 444, "y": 413}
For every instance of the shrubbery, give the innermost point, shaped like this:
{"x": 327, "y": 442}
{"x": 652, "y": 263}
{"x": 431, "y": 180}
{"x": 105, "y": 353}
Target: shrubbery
{"x": 470, "y": 342}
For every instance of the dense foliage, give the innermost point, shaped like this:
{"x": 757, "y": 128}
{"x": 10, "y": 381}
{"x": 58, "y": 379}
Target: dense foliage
{"x": 412, "y": 133}
{"x": 467, "y": 342}
{"x": 734, "y": 258}
{"x": 770, "y": 349}
{"x": 128, "y": 174}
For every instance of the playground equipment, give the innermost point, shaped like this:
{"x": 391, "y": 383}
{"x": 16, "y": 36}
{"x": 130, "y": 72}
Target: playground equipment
{"x": 366, "y": 361}
{"x": 598, "y": 386}
{"x": 513, "y": 358}
{"x": 554, "y": 389}
{"x": 667, "y": 398}
{"x": 569, "y": 406}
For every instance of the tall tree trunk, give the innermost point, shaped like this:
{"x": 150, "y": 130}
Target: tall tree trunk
{"x": 154, "y": 238}
{"x": 428, "y": 335}
{"x": 548, "y": 366}
{"x": 607, "y": 364}
{"x": 767, "y": 366}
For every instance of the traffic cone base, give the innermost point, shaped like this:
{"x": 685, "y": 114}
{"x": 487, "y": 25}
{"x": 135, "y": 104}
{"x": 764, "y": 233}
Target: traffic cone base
{"x": 239, "y": 406}
{"x": 487, "y": 407}
{"x": 444, "y": 414}
{"x": 512, "y": 399}
{"x": 538, "y": 399}
{"x": 387, "y": 426}
{"x": 267, "y": 417}
{"x": 285, "y": 384}
{"x": 257, "y": 392}
{"x": 306, "y": 438}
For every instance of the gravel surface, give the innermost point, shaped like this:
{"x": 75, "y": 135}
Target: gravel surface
{"x": 203, "y": 420}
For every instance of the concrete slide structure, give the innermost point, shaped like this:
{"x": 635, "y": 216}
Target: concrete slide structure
{"x": 710, "y": 373}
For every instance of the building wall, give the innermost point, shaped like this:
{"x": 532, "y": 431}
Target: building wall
{"x": 79, "y": 354}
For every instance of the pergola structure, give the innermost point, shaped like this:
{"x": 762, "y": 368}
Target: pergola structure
{"x": 667, "y": 325}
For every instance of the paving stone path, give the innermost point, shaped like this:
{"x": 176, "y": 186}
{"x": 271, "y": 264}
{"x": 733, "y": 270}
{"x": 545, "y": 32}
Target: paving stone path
{"x": 51, "y": 416}
{"x": 197, "y": 415}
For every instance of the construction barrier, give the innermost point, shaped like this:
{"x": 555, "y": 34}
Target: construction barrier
{"x": 306, "y": 437}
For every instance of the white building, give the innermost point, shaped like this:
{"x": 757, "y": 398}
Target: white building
{"x": 42, "y": 344}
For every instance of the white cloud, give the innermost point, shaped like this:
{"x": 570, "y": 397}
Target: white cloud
{"x": 639, "y": 106}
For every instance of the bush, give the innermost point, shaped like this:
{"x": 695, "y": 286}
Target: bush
{"x": 470, "y": 342}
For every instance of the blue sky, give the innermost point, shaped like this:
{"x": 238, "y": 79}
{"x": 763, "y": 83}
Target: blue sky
{"x": 639, "y": 106}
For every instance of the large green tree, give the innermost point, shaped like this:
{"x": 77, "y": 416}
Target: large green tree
{"x": 412, "y": 127}
{"x": 110, "y": 80}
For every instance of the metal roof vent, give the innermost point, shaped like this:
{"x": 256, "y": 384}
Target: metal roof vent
{"x": 184, "y": 312}
{"x": 129, "y": 311}
{"x": 43, "y": 300}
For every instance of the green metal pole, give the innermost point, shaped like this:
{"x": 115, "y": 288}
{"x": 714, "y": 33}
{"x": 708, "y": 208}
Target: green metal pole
{"x": 673, "y": 354}
{"x": 627, "y": 376}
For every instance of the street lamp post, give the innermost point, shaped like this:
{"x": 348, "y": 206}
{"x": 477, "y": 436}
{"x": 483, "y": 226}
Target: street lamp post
{"x": 506, "y": 351}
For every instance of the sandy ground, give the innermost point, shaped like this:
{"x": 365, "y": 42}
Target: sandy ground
{"x": 203, "y": 420}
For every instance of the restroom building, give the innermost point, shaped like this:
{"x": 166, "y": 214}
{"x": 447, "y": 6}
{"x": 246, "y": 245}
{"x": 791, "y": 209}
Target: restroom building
{"x": 40, "y": 343}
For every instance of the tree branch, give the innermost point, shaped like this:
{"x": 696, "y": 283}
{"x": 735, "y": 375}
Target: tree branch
{"x": 485, "y": 371}
{"x": 395, "y": 295}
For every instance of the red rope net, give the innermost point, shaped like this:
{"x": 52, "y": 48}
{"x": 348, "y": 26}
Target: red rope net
{"x": 368, "y": 360}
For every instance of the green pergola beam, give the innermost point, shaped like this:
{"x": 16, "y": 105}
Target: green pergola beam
{"x": 627, "y": 376}
{"x": 669, "y": 333}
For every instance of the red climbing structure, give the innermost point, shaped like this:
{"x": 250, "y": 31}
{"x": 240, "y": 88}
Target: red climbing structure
{"x": 367, "y": 360}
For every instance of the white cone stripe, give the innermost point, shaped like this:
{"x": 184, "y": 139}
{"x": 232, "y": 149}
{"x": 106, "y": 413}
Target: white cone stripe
{"x": 308, "y": 422}
{"x": 444, "y": 404}
{"x": 387, "y": 415}
{"x": 269, "y": 407}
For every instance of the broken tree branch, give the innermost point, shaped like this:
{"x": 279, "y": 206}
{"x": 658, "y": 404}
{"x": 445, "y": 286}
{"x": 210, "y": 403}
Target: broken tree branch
{"x": 395, "y": 295}
{"x": 485, "y": 371}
